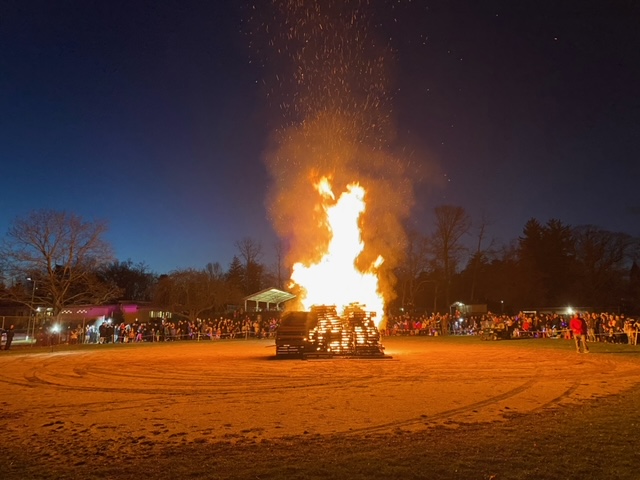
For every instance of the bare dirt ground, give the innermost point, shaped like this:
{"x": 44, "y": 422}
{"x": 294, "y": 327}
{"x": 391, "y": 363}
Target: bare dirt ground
{"x": 83, "y": 408}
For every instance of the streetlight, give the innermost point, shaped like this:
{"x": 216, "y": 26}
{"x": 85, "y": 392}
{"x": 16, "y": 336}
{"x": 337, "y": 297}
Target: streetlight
{"x": 55, "y": 329}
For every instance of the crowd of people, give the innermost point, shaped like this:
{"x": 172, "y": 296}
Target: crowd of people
{"x": 160, "y": 331}
{"x": 599, "y": 327}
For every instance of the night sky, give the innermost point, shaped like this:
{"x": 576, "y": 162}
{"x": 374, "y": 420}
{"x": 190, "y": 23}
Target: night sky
{"x": 155, "y": 116}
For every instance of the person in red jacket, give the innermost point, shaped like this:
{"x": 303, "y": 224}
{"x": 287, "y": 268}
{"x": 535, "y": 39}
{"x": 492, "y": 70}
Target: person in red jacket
{"x": 579, "y": 328}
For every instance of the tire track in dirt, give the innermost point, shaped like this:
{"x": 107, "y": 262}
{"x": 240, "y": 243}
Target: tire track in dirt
{"x": 81, "y": 375}
{"x": 445, "y": 414}
{"x": 556, "y": 400}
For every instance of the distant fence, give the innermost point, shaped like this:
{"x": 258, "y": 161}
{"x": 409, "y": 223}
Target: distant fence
{"x": 20, "y": 321}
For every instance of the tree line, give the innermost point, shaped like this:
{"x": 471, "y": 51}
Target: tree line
{"x": 549, "y": 265}
{"x": 54, "y": 259}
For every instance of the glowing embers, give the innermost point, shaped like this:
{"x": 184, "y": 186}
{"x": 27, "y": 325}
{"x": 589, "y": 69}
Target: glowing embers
{"x": 355, "y": 333}
{"x": 335, "y": 280}
{"x": 330, "y": 334}
{"x": 365, "y": 335}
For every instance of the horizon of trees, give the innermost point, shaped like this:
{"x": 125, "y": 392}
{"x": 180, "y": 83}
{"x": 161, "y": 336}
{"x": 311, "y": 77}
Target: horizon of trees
{"x": 549, "y": 265}
{"x": 56, "y": 259}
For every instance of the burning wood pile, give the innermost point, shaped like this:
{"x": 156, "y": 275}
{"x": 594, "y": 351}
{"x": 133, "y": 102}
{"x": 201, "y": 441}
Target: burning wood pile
{"x": 365, "y": 334}
{"x": 327, "y": 334}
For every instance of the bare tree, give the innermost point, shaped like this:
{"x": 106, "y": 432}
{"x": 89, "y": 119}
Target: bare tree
{"x": 189, "y": 293}
{"x": 215, "y": 271}
{"x": 279, "y": 251}
{"x": 452, "y": 223}
{"x": 61, "y": 253}
{"x": 135, "y": 281}
{"x": 479, "y": 255}
{"x": 251, "y": 252}
{"x": 411, "y": 271}
{"x": 603, "y": 258}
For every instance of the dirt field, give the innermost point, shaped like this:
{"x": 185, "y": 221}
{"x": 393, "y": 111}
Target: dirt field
{"x": 83, "y": 407}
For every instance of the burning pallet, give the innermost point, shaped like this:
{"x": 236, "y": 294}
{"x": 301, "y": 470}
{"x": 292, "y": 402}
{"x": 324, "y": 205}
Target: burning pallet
{"x": 322, "y": 333}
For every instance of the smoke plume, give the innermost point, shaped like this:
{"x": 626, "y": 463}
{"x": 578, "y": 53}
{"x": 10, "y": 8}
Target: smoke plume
{"x": 327, "y": 76}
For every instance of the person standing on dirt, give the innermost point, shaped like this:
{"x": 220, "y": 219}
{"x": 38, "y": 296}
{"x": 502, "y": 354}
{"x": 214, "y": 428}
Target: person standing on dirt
{"x": 445, "y": 324}
{"x": 10, "y": 334}
{"x": 579, "y": 328}
{"x": 591, "y": 327}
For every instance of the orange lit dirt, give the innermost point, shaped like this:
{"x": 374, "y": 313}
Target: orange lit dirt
{"x": 110, "y": 400}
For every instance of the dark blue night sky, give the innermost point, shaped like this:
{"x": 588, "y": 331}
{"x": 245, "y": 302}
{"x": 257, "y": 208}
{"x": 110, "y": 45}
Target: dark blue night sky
{"x": 151, "y": 115}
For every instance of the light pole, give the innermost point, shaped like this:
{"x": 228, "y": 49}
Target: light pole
{"x": 32, "y": 316}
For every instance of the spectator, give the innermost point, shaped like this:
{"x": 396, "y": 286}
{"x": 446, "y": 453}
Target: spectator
{"x": 10, "y": 332}
{"x": 579, "y": 328}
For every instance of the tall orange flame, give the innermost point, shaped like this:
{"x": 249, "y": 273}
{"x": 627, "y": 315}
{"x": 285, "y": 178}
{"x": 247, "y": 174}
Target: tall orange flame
{"x": 335, "y": 280}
